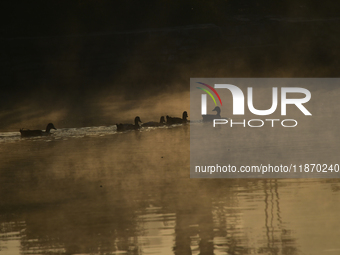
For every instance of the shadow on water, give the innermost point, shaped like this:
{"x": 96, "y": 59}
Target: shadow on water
{"x": 131, "y": 193}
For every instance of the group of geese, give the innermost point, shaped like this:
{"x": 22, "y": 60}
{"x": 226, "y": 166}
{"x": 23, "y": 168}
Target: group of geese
{"x": 120, "y": 127}
{"x": 138, "y": 123}
{"x": 162, "y": 122}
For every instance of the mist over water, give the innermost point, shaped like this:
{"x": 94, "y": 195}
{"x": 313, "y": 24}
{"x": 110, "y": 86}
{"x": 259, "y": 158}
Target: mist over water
{"x": 76, "y": 80}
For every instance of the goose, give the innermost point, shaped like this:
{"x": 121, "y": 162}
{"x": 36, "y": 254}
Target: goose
{"x": 28, "y": 133}
{"x": 176, "y": 120}
{"x": 155, "y": 124}
{"x": 211, "y": 117}
{"x": 124, "y": 127}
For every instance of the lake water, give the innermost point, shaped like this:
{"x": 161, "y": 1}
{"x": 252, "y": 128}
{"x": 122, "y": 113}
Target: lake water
{"x": 95, "y": 191}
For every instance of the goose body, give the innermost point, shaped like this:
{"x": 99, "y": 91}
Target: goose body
{"x": 211, "y": 117}
{"x": 155, "y": 124}
{"x": 176, "y": 120}
{"x": 29, "y": 133}
{"x": 124, "y": 127}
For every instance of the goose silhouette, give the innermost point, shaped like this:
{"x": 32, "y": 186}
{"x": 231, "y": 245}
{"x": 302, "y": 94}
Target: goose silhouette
{"x": 211, "y": 117}
{"x": 155, "y": 124}
{"x": 176, "y": 120}
{"x": 124, "y": 127}
{"x": 28, "y": 132}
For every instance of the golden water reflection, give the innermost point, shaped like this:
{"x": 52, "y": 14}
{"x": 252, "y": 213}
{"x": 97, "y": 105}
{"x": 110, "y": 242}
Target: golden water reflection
{"x": 130, "y": 193}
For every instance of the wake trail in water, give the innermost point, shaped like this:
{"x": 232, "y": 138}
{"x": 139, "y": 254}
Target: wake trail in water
{"x": 67, "y": 133}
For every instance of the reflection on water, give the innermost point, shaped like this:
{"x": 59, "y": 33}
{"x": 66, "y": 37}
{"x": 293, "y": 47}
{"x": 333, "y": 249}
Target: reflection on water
{"x": 130, "y": 193}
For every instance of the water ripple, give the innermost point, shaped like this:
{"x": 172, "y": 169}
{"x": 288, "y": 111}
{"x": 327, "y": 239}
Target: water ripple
{"x": 66, "y": 133}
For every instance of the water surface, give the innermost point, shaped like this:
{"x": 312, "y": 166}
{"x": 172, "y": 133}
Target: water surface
{"x": 95, "y": 191}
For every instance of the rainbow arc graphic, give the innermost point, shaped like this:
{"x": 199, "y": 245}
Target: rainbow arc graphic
{"x": 209, "y": 93}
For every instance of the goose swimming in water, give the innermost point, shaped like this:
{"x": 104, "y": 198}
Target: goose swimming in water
{"x": 211, "y": 117}
{"x": 28, "y": 133}
{"x": 155, "y": 124}
{"x": 176, "y": 120}
{"x": 124, "y": 127}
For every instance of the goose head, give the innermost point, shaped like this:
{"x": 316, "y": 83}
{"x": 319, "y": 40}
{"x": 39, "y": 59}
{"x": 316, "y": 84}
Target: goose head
{"x": 137, "y": 121}
{"x": 185, "y": 115}
{"x": 49, "y": 127}
{"x": 218, "y": 110}
{"x": 162, "y": 120}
